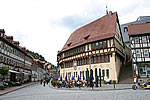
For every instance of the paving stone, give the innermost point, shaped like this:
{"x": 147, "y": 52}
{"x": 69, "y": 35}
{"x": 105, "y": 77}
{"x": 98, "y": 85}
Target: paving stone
{"x": 38, "y": 92}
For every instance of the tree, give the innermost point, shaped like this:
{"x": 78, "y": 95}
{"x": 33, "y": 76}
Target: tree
{"x": 4, "y": 71}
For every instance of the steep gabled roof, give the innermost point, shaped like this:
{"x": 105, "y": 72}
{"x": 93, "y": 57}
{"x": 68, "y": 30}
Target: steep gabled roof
{"x": 99, "y": 29}
{"x": 139, "y": 29}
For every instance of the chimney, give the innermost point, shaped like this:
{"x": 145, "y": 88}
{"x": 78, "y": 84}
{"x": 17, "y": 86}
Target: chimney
{"x": 23, "y": 48}
{"x": 9, "y": 38}
{"x": 16, "y": 43}
{"x": 2, "y": 32}
{"x": 110, "y": 13}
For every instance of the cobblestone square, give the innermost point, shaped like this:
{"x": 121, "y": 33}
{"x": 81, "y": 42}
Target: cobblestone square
{"x": 38, "y": 92}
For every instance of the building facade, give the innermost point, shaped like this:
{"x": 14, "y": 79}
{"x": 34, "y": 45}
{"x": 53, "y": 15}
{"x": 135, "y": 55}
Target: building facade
{"x": 16, "y": 57}
{"x": 140, "y": 49}
{"x": 97, "y": 46}
{"x": 124, "y": 27}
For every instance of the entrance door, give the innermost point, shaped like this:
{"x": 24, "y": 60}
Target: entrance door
{"x": 13, "y": 77}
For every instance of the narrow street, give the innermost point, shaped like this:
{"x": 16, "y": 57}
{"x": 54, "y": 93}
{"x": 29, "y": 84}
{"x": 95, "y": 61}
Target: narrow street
{"x": 38, "y": 92}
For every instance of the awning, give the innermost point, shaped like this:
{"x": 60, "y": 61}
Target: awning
{"x": 26, "y": 73}
{"x": 13, "y": 71}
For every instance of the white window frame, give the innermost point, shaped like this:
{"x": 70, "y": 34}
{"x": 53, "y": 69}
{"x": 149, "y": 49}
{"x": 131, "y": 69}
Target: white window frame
{"x": 146, "y": 53}
{"x": 144, "y": 39}
{"x": 136, "y": 39}
{"x": 138, "y": 53}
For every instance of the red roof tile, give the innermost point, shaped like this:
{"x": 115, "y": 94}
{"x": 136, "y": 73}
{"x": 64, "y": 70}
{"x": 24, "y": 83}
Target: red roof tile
{"x": 139, "y": 29}
{"x": 99, "y": 29}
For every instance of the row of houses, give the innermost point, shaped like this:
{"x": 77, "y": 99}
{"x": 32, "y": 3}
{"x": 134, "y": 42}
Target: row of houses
{"x": 99, "y": 47}
{"x": 22, "y": 66}
{"x": 137, "y": 35}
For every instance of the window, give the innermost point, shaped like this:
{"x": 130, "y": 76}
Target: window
{"x": 2, "y": 34}
{"x": 144, "y": 39}
{"x": 102, "y": 59}
{"x": 106, "y": 58}
{"x": 142, "y": 70}
{"x": 91, "y": 60}
{"x": 105, "y": 44}
{"x": 138, "y": 54}
{"x": 86, "y": 37}
{"x": 93, "y": 45}
{"x": 125, "y": 29}
{"x": 103, "y": 73}
{"x": 76, "y": 74}
{"x": 9, "y": 61}
{"x": 107, "y": 72}
{"x": 77, "y": 62}
{"x": 82, "y": 61}
{"x": 96, "y": 44}
{"x": 146, "y": 53}
{"x": 136, "y": 40}
{"x": 81, "y": 49}
{"x": 69, "y": 44}
{"x": 98, "y": 59}
{"x": 87, "y": 60}
{"x": 100, "y": 44}
{"x": 95, "y": 59}
{"x": 76, "y": 50}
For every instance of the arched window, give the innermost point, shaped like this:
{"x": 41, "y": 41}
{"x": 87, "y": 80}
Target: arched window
{"x": 125, "y": 29}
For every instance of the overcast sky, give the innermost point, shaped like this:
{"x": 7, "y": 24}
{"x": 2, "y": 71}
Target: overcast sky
{"x": 44, "y": 26}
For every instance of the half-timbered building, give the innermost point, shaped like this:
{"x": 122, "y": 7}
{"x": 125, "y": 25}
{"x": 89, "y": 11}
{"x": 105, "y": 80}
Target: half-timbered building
{"x": 16, "y": 58}
{"x": 140, "y": 45}
{"x": 97, "y": 46}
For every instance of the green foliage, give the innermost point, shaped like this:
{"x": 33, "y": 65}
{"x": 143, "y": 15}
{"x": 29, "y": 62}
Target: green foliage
{"x": 114, "y": 81}
{"x": 58, "y": 83}
{"x": 41, "y": 58}
{"x": 53, "y": 82}
{"x": 53, "y": 66}
{"x": 4, "y": 70}
{"x": 37, "y": 56}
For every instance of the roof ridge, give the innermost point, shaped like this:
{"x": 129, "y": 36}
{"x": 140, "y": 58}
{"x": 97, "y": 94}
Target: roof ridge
{"x": 101, "y": 28}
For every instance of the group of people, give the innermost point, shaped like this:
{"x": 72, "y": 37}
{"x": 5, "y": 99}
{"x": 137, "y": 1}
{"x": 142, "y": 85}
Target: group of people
{"x": 45, "y": 81}
{"x": 72, "y": 83}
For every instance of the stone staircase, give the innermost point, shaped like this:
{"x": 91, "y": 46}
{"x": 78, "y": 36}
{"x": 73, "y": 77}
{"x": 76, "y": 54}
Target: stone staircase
{"x": 126, "y": 74}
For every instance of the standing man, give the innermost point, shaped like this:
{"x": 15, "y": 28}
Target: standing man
{"x": 44, "y": 83}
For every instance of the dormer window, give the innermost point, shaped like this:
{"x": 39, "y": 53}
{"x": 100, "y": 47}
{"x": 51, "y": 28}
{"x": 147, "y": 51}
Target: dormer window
{"x": 86, "y": 37}
{"x": 69, "y": 44}
{"x": 125, "y": 29}
{"x": 1, "y": 34}
{"x": 2, "y": 31}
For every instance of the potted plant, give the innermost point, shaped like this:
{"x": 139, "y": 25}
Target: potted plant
{"x": 58, "y": 84}
{"x": 53, "y": 83}
{"x": 114, "y": 82}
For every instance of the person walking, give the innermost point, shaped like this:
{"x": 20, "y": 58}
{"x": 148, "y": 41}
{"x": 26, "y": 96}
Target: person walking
{"x": 44, "y": 83}
{"x": 47, "y": 81}
{"x": 41, "y": 81}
